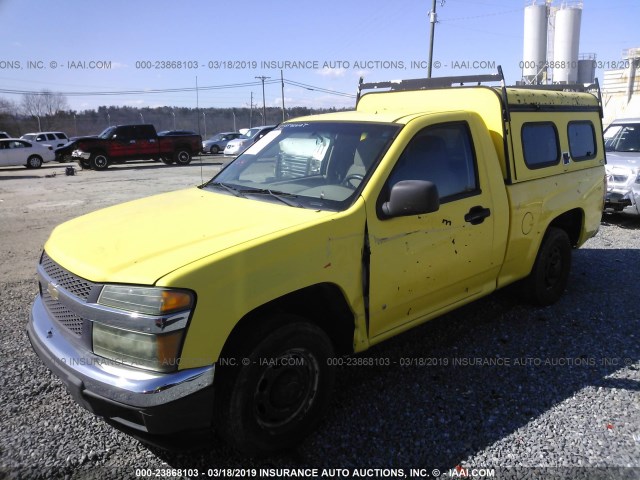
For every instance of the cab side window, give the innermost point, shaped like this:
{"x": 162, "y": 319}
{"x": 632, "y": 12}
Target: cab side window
{"x": 540, "y": 144}
{"x": 442, "y": 154}
{"x": 582, "y": 140}
{"x": 124, "y": 134}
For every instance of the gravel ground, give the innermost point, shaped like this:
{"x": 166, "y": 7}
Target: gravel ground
{"x": 531, "y": 393}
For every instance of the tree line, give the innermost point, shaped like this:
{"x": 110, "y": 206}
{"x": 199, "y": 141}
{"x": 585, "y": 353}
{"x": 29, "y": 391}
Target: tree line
{"x": 49, "y": 111}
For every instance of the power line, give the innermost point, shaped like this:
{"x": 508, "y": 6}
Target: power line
{"x": 318, "y": 89}
{"x": 175, "y": 90}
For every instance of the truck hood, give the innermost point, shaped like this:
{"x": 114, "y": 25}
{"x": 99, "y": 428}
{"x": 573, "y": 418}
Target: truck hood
{"x": 624, "y": 159}
{"x": 141, "y": 241}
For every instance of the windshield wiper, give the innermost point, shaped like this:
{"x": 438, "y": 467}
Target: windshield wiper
{"x": 282, "y": 196}
{"x": 228, "y": 188}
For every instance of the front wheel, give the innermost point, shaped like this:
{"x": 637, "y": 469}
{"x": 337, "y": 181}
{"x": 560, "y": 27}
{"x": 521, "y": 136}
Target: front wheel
{"x": 550, "y": 274}
{"x": 215, "y": 150}
{"x": 98, "y": 161}
{"x": 279, "y": 389}
{"x": 182, "y": 156}
{"x": 166, "y": 160}
{"x": 34, "y": 161}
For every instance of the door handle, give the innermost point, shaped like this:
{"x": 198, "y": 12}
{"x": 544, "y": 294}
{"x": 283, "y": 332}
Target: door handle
{"x": 476, "y": 215}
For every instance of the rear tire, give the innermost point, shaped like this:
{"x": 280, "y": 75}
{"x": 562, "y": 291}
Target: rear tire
{"x": 166, "y": 160}
{"x": 182, "y": 156}
{"x": 550, "y": 274}
{"x": 279, "y": 389}
{"x": 34, "y": 161}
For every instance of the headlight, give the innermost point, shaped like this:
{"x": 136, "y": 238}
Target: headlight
{"x": 145, "y": 300}
{"x": 142, "y": 350}
{"x": 150, "y": 337}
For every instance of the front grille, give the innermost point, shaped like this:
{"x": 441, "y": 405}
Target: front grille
{"x": 62, "y": 314}
{"x": 70, "y": 283}
{"x": 64, "y": 279}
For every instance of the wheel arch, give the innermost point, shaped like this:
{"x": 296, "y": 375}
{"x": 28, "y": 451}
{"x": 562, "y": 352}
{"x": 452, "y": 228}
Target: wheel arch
{"x": 322, "y": 304}
{"x": 572, "y": 223}
{"x": 183, "y": 146}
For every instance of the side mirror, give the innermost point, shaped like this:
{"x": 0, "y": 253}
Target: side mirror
{"x": 411, "y": 197}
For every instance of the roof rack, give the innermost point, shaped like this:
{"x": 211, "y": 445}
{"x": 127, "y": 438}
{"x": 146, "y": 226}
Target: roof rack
{"x": 562, "y": 87}
{"x": 426, "y": 83}
{"x": 440, "y": 82}
{"x": 446, "y": 82}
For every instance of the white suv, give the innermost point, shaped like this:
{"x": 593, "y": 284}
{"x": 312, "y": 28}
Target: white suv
{"x": 55, "y": 139}
{"x": 622, "y": 143}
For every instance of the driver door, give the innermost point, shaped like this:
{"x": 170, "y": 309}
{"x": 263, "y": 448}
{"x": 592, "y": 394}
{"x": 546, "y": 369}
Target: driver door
{"x": 423, "y": 265}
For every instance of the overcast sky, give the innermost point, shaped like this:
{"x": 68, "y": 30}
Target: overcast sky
{"x": 142, "y": 45}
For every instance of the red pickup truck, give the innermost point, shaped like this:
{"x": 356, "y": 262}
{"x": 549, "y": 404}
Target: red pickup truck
{"x": 121, "y": 143}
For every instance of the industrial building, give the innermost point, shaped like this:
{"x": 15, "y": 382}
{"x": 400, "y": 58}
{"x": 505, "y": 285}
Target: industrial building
{"x": 551, "y": 55}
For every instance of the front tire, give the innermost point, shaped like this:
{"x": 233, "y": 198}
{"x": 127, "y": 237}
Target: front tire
{"x": 182, "y": 156}
{"x": 214, "y": 150}
{"x": 550, "y": 274}
{"x": 166, "y": 160}
{"x": 278, "y": 391}
{"x": 99, "y": 161}
{"x": 34, "y": 161}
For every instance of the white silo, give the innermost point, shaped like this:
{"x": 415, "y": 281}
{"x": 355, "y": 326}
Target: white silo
{"x": 534, "y": 55}
{"x": 566, "y": 42}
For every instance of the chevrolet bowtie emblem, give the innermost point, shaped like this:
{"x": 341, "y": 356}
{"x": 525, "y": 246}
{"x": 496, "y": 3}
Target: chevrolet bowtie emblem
{"x": 52, "y": 288}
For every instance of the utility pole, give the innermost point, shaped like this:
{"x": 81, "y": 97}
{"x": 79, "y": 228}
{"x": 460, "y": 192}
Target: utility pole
{"x": 204, "y": 120}
{"x": 433, "y": 18}
{"x": 264, "y": 105}
{"x": 251, "y": 112}
{"x": 282, "y": 82}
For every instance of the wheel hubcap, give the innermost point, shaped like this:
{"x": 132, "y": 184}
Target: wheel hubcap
{"x": 553, "y": 268}
{"x": 287, "y": 388}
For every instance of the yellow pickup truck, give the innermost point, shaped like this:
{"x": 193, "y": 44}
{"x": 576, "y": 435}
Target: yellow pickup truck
{"x": 228, "y": 305}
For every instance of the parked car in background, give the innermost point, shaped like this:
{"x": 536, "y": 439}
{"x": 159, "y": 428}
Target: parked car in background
{"x": 622, "y": 143}
{"x": 219, "y": 141}
{"x": 55, "y": 139}
{"x": 121, "y": 143}
{"x": 240, "y": 144}
{"x": 4, "y": 135}
{"x": 16, "y": 151}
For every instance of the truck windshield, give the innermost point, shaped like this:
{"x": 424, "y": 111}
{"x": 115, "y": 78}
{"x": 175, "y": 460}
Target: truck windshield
{"x": 106, "y": 133}
{"x": 319, "y": 165}
{"x": 251, "y": 133}
{"x": 622, "y": 138}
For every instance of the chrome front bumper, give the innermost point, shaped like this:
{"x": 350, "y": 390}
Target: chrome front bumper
{"x": 81, "y": 154}
{"x": 148, "y": 401}
{"x": 622, "y": 200}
